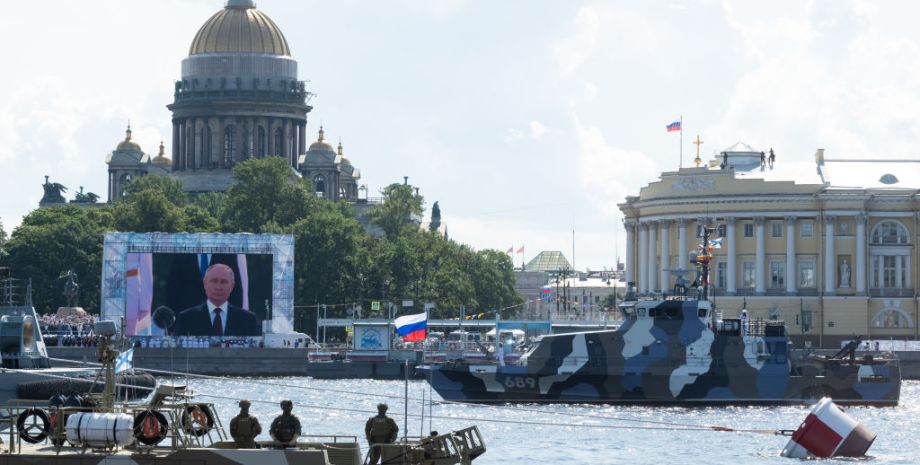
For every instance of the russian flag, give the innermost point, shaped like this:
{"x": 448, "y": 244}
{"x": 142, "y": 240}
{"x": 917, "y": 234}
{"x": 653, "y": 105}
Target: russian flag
{"x": 547, "y": 288}
{"x": 675, "y": 126}
{"x": 412, "y": 327}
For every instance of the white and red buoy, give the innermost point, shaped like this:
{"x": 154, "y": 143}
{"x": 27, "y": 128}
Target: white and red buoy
{"x": 828, "y": 431}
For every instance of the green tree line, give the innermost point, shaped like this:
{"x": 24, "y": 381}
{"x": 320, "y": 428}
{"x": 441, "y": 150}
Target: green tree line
{"x": 336, "y": 262}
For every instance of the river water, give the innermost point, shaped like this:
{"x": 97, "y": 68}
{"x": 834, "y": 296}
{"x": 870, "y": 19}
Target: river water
{"x": 549, "y": 434}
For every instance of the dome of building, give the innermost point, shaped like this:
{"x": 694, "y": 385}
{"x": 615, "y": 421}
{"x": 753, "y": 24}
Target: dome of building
{"x": 161, "y": 157}
{"x": 128, "y": 144}
{"x": 341, "y": 153}
{"x": 321, "y": 145}
{"x": 240, "y": 27}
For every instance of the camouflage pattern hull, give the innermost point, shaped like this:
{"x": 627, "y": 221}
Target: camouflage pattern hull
{"x": 668, "y": 353}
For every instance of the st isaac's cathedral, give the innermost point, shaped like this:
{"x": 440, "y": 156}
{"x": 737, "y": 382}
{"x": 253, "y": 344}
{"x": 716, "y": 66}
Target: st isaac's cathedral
{"x": 238, "y": 98}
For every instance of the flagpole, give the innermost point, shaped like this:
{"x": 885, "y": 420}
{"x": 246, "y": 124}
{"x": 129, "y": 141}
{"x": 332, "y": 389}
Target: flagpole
{"x": 681, "y": 141}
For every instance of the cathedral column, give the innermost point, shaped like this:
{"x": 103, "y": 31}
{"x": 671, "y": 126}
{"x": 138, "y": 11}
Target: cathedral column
{"x": 193, "y": 147}
{"x": 652, "y": 256}
{"x": 303, "y": 138}
{"x": 829, "y": 265}
{"x": 730, "y": 287}
{"x": 860, "y": 264}
{"x": 288, "y": 142}
{"x": 790, "y": 255}
{"x": 682, "y": 244}
{"x": 665, "y": 254}
{"x": 182, "y": 143}
{"x": 175, "y": 147}
{"x": 238, "y": 155}
{"x": 630, "y": 226}
{"x": 642, "y": 278}
{"x": 760, "y": 287}
{"x": 271, "y": 136}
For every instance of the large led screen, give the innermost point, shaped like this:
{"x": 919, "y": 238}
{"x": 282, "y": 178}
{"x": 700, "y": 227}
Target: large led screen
{"x": 178, "y": 293}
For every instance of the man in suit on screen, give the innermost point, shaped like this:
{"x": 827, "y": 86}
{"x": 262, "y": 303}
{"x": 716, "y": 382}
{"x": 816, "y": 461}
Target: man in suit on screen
{"x": 216, "y": 316}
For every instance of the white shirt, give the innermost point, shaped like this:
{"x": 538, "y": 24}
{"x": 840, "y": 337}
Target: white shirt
{"x": 223, "y": 316}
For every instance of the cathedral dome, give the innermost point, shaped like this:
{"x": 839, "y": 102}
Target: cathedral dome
{"x": 128, "y": 144}
{"x": 161, "y": 157}
{"x": 240, "y": 27}
{"x": 345, "y": 160}
{"x": 321, "y": 145}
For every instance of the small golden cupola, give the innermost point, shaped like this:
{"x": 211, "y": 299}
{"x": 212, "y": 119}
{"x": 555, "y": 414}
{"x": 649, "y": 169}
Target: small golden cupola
{"x": 128, "y": 144}
{"x": 161, "y": 157}
{"x": 341, "y": 153}
{"x": 321, "y": 145}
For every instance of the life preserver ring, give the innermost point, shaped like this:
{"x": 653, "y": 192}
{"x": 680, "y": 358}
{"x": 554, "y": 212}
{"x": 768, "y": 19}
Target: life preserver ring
{"x": 27, "y": 432}
{"x": 453, "y": 346}
{"x": 150, "y": 427}
{"x": 199, "y": 415}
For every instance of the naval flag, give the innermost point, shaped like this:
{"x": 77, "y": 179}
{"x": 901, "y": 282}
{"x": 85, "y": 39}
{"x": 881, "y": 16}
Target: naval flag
{"x": 125, "y": 361}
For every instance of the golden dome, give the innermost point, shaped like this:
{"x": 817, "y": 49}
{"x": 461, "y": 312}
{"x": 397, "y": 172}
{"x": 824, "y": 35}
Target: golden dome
{"x": 240, "y": 27}
{"x": 321, "y": 145}
{"x": 345, "y": 160}
{"x": 161, "y": 157}
{"x": 128, "y": 144}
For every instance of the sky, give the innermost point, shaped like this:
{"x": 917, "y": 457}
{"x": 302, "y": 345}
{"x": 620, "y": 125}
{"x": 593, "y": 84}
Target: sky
{"x": 527, "y": 120}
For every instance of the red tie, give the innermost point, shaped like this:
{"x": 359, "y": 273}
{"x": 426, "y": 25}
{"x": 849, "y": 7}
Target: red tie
{"x": 218, "y": 324}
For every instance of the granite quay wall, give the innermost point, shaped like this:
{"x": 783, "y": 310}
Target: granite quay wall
{"x": 204, "y": 361}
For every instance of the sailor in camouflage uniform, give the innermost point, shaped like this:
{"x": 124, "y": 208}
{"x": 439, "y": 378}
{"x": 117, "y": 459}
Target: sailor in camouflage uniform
{"x": 285, "y": 428}
{"x": 379, "y": 429}
{"x": 244, "y": 427}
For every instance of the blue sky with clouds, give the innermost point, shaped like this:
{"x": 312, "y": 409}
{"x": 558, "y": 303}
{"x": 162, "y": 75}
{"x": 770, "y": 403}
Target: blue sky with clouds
{"x": 524, "y": 119}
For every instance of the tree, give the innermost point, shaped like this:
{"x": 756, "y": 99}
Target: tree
{"x": 267, "y": 192}
{"x": 51, "y": 241}
{"x": 394, "y": 214}
{"x": 149, "y": 211}
{"x": 211, "y": 202}
{"x": 2, "y": 238}
{"x": 435, "y": 218}
{"x": 170, "y": 188}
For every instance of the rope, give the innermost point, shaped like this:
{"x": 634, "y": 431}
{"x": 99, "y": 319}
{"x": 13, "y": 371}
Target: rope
{"x": 659, "y": 425}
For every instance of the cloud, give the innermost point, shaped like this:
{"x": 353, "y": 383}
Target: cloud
{"x": 576, "y": 48}
{"x": 512, "y": 134}
{"x": 537, "y": 130}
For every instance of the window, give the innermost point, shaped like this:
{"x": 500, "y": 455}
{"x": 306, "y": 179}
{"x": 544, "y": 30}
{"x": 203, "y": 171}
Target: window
{"x": 721, "y": 275}
{"x": 319, "y": 181}
{"x": 777, "y": 274}
{"x": 748, "y": 275}
{"x": 748, "y": 229}
{"x": 229, "y": 144}
{"x": 807, "y": 273}
{"x": 890, "y": 232}
{"x": 262, "y": 143}
{"x": 889, "y": 272}
{"x": 892, "y": 318}
{"x": 776, "y": 229}
{"x": 808, "y": 229}
{"x": 279, "y": 142}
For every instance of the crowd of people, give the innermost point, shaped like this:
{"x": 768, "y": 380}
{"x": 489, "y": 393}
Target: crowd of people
{"x": 77, "y": 324}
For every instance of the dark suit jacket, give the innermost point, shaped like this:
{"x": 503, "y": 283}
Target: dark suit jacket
{"x": 196, "y": 321}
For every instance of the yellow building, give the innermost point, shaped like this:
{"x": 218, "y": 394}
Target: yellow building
{"x": 828, "y": 245}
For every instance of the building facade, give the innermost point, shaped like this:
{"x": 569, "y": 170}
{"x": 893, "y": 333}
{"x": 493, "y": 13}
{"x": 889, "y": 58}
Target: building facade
{"x": 828, "y": 245}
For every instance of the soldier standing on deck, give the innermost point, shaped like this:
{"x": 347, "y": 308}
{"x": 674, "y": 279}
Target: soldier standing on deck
{"x": 244, "y": 428}
{"x": 380, "y": 429}
{"x": 285, "y": 428}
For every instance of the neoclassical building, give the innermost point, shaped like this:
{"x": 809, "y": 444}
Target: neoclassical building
{"x": 829, "y": 245}
{"x": 129, "y": 161}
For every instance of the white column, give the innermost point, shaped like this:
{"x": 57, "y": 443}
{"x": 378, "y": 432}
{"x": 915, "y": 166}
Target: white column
{"x": 760, "y": 287}
{"x": 665, "y": 255}
{"x": 898, "y": 272}
{"x": 653, "y": 256}
{"x": 860, "y": 254}
{"x": 790, "y": 255}
{"x": 829, "y": 258}
{"x": 730, "y": 287}
{"x": 630, "y": 226}
{"x": 682, "y": 244}
{"x": 642, "y": 278}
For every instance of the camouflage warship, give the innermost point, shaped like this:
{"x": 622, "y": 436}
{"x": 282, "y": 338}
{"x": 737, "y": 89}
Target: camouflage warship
{"x": 675, "y": 351}
{"x": 173, "y": 427}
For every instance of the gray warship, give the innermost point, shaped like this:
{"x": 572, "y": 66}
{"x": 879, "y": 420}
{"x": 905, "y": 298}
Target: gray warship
{"x": 173, "y": 427}
{"x": 675, "y": 351}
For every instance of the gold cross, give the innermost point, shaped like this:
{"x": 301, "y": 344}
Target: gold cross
{"x": 697, "y": 159}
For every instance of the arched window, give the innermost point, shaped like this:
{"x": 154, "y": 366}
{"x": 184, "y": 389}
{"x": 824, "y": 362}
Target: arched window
{"x": 319, "y": 181}
{"x": 262, "y": 143}
{"x": 892, "y": 318}
{"x": 890, "y": 232}
{"x": 279, "y": 142}
{"x": 229, "y": 144}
